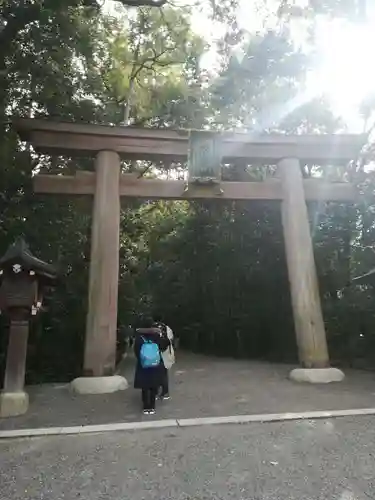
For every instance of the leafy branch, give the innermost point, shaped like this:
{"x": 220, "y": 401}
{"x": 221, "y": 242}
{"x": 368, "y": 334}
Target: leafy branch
{"x": 143, "y": 3}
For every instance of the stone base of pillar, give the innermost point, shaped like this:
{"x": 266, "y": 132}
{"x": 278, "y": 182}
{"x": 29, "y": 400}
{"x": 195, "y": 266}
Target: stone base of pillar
{"x": 13, "y": 404}
{"x": 99, "y": 385}
{"x": 317, "y": 375}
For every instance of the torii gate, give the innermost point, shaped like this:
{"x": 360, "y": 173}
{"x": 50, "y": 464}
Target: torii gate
{"x": 111, "y": 144}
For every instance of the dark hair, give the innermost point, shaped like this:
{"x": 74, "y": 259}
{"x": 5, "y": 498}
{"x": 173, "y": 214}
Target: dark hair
{"x": 157, "y": 318}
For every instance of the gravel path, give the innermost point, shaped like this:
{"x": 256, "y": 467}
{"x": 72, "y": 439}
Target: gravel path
{"x": 306, "y": 460}
{"x": 200, "y": 387}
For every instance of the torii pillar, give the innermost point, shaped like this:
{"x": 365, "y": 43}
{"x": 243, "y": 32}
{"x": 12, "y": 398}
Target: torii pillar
{"x": 304, "y": 289}
{"x": 101, "y": 325}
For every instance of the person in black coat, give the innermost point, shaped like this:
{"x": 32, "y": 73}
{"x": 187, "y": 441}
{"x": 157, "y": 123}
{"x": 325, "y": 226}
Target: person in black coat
{"x": 148, "y": 379}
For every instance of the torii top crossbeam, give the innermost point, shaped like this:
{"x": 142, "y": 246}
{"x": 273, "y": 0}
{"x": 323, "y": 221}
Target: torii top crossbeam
{"x": 53, "y": 137}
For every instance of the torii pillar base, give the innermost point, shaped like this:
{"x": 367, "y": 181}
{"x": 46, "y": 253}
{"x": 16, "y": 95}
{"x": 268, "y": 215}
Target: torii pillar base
{"x": 317, "y": 375}
{"x": 13, "y": 404}
{"x": 99, "y": 385}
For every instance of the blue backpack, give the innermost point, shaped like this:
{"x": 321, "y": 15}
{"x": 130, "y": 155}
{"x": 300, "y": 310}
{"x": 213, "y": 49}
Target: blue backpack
{"x": 149, "y": 354}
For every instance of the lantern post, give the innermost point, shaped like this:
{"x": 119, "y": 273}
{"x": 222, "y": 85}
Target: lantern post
{"x": 23, "y": 279}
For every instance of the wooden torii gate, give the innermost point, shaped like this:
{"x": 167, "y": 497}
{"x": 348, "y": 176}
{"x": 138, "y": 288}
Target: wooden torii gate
{"x": 111, "y": 144}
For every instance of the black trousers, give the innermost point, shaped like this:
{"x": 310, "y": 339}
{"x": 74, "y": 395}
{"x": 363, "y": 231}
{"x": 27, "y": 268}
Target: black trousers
{"x": 165, "y": 383}
{"x": 148, "y": 398}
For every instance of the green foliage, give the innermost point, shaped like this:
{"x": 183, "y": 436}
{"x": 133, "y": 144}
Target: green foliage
{"x": 215, "y": 271}
{"x": 147, "y": 65}
{"x": 266, "y": 70}
{"x": 221, "y": 297}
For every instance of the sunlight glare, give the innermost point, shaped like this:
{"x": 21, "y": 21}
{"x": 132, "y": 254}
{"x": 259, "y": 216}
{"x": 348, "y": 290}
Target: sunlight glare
{"x": 344, "y": 72}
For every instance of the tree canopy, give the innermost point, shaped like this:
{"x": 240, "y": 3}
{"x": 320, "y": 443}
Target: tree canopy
{"x": 215, "y": 271}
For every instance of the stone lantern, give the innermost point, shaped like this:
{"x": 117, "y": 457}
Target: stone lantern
{"x": 23, "y": 279}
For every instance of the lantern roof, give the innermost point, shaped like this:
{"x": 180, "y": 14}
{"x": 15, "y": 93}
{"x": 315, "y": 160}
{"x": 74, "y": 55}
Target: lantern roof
{"x": 19, "y": 254}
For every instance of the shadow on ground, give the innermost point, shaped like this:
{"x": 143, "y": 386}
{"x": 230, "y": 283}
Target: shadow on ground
{"x": 200, "y": 387}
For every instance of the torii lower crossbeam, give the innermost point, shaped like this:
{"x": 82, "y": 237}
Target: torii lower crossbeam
{"x": 133, "y": 187}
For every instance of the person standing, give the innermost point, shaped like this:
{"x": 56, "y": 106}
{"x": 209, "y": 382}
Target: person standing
{"x": 149, "y": 371}
{"x": 168, "y": 357}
